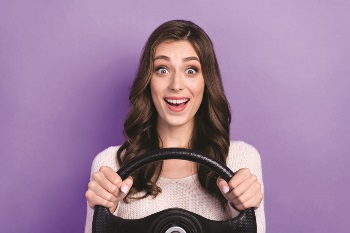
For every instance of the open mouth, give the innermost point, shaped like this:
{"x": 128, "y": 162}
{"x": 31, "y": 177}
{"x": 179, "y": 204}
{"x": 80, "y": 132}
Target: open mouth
{"x": 177, "y": 102}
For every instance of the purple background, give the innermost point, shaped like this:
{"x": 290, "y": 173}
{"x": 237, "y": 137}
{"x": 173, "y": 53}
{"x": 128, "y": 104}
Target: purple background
{"x": 66, "y": 68}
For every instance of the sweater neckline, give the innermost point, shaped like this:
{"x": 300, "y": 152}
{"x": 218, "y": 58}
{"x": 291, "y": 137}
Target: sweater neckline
{"x": 191, "y": 177}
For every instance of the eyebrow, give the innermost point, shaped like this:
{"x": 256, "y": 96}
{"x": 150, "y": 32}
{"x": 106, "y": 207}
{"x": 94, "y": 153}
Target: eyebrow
{"x": 161, "y": 57}
{"x": 190, "y": 59}
{"x": 168, "y": 58}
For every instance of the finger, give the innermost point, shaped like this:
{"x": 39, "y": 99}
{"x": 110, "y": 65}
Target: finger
{"x": 111, "y": 175}
{"x": 223, "y": 186}
{"x": 126, "y": 185}
{"x": 239, "y": 177}
{"x": 243, "y": 187}
{"x": 94, "y": 200}
{"x": 251, "y": 192}
{"x": 100, "y": 179}
{"x": 253, "y": 202}
{"x": 102, "y": 192}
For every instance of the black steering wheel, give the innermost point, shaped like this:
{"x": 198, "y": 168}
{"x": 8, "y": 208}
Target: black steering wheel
{"x": 173, "y": 219}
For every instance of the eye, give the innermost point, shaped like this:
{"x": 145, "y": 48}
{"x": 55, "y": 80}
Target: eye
{"x": 191, "y": 70}
{"x": 161, "y": 70}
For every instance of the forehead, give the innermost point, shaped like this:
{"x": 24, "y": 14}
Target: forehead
{"x": 170, "y": 48}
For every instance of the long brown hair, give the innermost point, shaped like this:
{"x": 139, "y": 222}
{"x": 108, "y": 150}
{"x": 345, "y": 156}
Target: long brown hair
{"x": 212, "y": 121}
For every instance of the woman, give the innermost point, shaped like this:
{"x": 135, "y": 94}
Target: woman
{"x": 177, "y": 100}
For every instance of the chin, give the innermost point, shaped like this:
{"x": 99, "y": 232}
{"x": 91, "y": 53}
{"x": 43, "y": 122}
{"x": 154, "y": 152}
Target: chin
{"x": 177, "y": 122}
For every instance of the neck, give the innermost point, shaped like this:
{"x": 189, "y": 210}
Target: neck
{"x": 175, "y": 136}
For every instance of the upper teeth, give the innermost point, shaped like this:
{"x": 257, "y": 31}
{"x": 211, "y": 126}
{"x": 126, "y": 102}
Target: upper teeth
{"x": 176, "y": 101}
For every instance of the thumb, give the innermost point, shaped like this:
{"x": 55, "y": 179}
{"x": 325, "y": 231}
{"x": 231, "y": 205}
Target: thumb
{"x": 126, "y": 185}
{"x": 223, "y": 185}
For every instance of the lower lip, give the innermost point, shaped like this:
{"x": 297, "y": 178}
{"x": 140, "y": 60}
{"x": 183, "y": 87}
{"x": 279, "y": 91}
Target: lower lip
{"x": 178, "y": 108}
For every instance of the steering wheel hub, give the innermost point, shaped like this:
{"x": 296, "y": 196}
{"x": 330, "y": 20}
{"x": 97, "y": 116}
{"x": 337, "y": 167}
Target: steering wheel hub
{"x": 175, "y": 230}
{"x": 175, "y": 220}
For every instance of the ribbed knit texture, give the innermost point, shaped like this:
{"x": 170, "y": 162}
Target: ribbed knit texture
{"x": 186, "y": 192}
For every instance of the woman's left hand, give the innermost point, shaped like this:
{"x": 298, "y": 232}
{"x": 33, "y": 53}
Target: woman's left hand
{"x": 243, "y": 190}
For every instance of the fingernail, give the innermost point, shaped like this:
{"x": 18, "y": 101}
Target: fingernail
{"x": 225, "y": 189}
{"x": 125, "y": 189}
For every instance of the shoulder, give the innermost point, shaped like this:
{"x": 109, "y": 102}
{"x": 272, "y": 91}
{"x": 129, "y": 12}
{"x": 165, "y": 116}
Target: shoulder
{"x": 243, "y": 155}
{"x": 107, "y": 157}
{"x": 243, "y": 149}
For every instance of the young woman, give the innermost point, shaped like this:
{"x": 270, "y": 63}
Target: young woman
{"x": 177, "y": 100}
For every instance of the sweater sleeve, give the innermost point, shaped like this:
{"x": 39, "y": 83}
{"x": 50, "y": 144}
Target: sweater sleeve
{"x": 108, "y": 157}
{"x": 243, "y": 155}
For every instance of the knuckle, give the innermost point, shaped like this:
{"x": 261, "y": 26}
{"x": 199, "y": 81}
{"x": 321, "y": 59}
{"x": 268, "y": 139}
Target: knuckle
{"x": 235, "y": 193}
{"x": 91, "y": 185}
{"x": 89, "y": 197}
{"x": 246, "y": 170}
{"x": 258, "y": 184}
{"x": 118, "y": 180}
{"x": 114, "y": 189}
{"x": 260, "y": 195}
{"x": 109, "y": 197}
{"x": 241, "y": 199}
{"x": 104, "y": 203}
{"x": 91, "y": 205}
{"x": 88, "y": 194}
{"x": 254, "y": 178}
{"x": 96, "y": 176}
{"x": 232, "y": 183}
{"x": 245, "y": 206}
{"x": 107, "y": 204}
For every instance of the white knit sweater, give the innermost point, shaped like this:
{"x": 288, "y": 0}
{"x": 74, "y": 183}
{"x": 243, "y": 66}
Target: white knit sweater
{"x": 186, "y": 192}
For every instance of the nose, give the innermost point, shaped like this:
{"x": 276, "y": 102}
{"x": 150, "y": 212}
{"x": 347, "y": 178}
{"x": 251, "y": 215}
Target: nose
{"x": 176, "y": 82}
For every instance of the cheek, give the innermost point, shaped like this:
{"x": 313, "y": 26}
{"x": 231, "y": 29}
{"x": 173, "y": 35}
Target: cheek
{"x": 199, "y": 93}
{"x": 198, "y": 90}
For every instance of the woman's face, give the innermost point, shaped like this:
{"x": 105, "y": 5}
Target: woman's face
{"x": 177, "y": 83}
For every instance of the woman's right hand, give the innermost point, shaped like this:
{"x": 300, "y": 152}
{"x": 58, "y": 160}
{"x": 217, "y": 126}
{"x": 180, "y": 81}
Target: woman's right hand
{"x": 106, "y": 188}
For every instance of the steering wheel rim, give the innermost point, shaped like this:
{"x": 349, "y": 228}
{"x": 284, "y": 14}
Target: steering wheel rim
{"x": 105, "y": 222}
